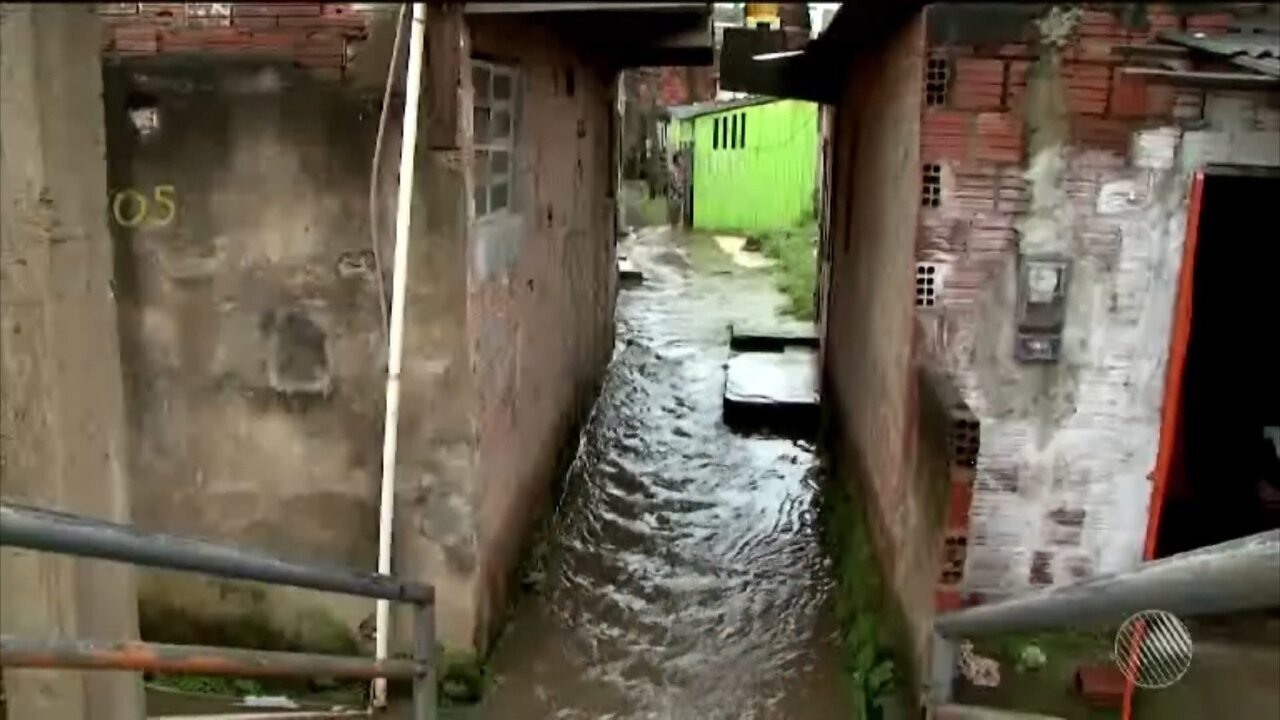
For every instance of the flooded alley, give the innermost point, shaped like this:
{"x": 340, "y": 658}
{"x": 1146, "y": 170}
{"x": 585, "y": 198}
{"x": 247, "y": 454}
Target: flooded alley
{"x": 685, "y": 577}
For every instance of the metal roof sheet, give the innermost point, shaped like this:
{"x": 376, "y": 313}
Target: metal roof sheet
{"x": 684, "y": 112}
{"x": 1256, "y": 51}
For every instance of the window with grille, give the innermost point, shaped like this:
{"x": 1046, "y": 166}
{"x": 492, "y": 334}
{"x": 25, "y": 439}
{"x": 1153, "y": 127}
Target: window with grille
{"x": 493, "y": 131}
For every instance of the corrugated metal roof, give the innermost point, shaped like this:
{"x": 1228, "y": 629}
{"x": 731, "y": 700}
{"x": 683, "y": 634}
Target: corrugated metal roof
{"x": 684, "y": 112}
{"x": 1256, "y": 51}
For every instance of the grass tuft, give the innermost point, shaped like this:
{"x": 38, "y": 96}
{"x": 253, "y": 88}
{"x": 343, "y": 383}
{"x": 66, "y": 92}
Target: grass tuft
{"x": 868, "y": 635}
{"x": 796, "y": 271}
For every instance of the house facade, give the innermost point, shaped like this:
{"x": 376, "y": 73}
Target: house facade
{"x": 253, "y": 182}
{"x": 750, "y": 165}
{"x": 1016, "y": 196}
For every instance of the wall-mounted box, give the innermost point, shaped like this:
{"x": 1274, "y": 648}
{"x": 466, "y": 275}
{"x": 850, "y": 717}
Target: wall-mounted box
{"x": 1041, "y": 309}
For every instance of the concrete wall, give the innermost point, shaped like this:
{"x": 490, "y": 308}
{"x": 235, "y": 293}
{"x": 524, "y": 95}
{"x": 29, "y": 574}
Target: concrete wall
{"x": 62, "y": 438}
{"x": 886, "y": 443}
{"x": 252, "y": 344}
{"x": 1041, "y": 145}
{"x": 254, "y": 354}
{"x": 541, "y": 283}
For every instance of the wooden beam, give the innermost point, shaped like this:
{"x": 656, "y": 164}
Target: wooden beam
{"x": 1150, "y": 51}
{"x": 1191, "y": 78}
{"x": 448, "y": 62}
{"x": 508, "y": 8}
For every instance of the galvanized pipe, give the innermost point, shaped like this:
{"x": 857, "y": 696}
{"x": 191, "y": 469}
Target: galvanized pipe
{"x": 424, "y": 651}
{"x": 195, "y": 660}
{"x": 1238, "y": 575}
{"x": 38, "y": 529}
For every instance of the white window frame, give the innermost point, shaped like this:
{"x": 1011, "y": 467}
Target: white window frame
{"x": 494, "y": 192}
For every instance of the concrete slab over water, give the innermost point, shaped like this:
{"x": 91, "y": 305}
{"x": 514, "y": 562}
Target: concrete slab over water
{"x": 775, "y": 389}
{"x": 771, "y": 337}
{"x": 628, "y": 274}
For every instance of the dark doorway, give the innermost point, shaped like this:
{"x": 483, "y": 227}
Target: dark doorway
{"x": 1223, "y": 470}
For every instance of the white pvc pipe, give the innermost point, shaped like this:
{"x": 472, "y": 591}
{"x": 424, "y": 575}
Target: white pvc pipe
{"x": 375, "y": 176}
{"x": 395, "y": 349}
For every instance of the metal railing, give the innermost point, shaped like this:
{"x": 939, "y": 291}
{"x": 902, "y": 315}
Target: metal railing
{"x": 1242, "y": 574}
{"x": 37, "y": 529}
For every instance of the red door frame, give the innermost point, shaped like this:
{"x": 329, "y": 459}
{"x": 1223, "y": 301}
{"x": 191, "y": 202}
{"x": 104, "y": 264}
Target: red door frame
{"x": 1180, "y": 333}
{"x": 1170, "y": 449}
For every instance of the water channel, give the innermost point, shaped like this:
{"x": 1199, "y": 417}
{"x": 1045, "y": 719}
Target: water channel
{"x": 685, "y": 577}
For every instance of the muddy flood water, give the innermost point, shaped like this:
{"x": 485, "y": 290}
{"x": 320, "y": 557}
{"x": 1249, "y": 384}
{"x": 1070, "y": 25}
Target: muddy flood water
{"x": 684, "y": 577}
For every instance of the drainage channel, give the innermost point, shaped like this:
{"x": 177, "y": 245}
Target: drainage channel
{"x": 685, "y": 577}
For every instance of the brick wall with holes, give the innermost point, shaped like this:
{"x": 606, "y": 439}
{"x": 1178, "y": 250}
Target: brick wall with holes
{"x": 973, "y": 144}
{"x": 975, "y": 196}
{"x": 321, "y": 37}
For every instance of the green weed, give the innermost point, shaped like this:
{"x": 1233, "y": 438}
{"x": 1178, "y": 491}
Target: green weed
{"x": 210, "y": 685}
{"x": 796, "y": 269}
{"x": 464, "y": 677}
{"x": 868, "y": 634}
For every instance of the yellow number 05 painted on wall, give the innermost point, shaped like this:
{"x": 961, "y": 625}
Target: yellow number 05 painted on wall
{"x": 130, "y": 208}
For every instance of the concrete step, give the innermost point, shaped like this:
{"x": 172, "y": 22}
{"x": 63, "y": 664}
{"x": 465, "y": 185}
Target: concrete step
{"x": 628, "y": 273}
{"x": 778, "y": 390}
{"x": 973, "y": 712}
{"x": 771, "y": 337}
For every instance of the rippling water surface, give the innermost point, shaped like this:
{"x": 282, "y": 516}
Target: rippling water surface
{"x": 685, "y": 577}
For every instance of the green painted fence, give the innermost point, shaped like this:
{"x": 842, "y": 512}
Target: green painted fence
{"x": 754, "y": 167}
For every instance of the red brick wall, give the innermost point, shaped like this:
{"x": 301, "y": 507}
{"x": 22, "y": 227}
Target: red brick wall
{"x": 977, "y": 133}
{"x": 976, "y": 143}
{"x": 683, "y": 85}
{"x": 314, "y": 35}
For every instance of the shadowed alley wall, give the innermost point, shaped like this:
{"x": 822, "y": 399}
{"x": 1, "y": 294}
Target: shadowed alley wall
{"x": 885, "y": 444}
{"x": 542, "y": 281}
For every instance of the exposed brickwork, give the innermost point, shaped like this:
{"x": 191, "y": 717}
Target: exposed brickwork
{"x": 977, "y": 135}
{"x": 978, "y": 83}
{"x": 1217, "y": 22}
{"x": 945, "y": 135}
{"x": 1121, "y": 132}
{"x": 314, "y": 35}
{"x": 682, "y": 85}
{"x": 1160, "y": 18}
{"x": 962, "y": 452}
{"x": 964, "y": 136}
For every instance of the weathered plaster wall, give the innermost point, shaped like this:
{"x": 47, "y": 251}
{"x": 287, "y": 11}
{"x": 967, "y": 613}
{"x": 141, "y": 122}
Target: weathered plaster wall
{"x": 436, "y": 537}
{"x": 1042, "y": 146}
{"x": 250, "y": 322}
{"x": 62, "y": 439}
{"x": 254, "y": 352}
{"x": 542, "y": 284}
{"x": 872, "y": 380}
